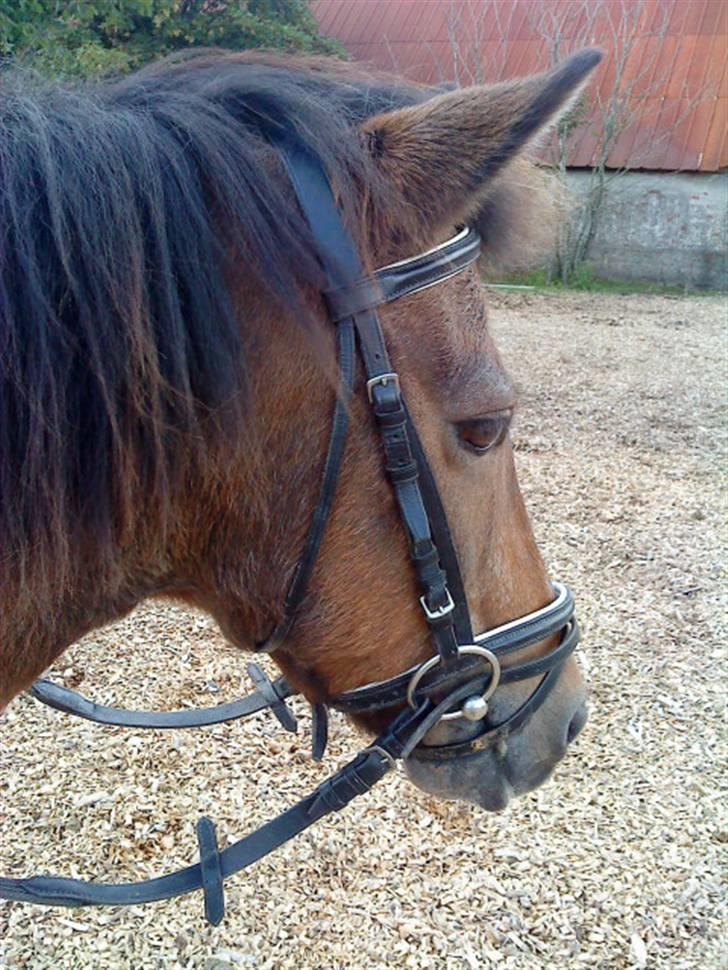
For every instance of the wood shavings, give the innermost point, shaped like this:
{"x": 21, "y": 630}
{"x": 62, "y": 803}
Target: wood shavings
{"x": 614, "y": 863}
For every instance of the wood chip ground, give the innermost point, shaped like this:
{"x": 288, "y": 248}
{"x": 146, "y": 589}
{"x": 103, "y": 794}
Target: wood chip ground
{"x": 615, "y": 863}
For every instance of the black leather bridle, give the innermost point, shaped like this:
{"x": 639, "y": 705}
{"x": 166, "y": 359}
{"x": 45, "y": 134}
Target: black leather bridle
{"x": 464, "y": 670}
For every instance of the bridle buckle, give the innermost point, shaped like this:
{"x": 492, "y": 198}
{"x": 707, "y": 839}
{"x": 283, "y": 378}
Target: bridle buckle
{"x": 383, "y": 379}
{"x": 441, "y": 611}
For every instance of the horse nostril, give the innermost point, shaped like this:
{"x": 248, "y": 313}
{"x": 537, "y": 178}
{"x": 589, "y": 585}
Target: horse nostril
{"x": 577, "y": 723}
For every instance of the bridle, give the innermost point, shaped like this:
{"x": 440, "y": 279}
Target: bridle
{"x": 456, "y": 682}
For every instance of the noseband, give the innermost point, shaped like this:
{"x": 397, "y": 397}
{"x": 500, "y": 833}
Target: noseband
{"x": 455, "y": 683}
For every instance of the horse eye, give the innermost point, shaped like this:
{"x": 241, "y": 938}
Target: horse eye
{"x": 480, "y": 435}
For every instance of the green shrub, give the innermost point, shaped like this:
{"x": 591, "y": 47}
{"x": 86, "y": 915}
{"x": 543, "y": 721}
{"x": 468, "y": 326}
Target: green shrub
{"x": 92, "y": 38}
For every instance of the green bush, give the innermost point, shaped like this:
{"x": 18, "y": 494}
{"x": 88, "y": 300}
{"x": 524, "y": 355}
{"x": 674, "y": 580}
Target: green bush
{"x": 91, "y": 38}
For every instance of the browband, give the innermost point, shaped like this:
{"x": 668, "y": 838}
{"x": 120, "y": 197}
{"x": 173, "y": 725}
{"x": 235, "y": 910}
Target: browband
{"x": 405, "y": 277}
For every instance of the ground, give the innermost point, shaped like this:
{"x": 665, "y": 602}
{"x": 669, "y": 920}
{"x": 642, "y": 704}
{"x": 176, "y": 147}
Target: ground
{"x": 614, "y": 863}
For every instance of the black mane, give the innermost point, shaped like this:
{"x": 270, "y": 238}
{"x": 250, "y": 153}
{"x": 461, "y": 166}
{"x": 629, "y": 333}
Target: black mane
{"x": 124, "y": 208}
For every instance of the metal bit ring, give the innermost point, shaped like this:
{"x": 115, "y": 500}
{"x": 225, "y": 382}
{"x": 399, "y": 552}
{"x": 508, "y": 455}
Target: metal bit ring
{"x": 467, "y": 650}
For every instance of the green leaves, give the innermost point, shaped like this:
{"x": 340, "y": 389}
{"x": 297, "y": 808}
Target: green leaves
{"x": 93, "y": 38}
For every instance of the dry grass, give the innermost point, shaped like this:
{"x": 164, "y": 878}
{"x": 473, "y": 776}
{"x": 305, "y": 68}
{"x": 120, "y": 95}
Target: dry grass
{"x": 616, "y": 863}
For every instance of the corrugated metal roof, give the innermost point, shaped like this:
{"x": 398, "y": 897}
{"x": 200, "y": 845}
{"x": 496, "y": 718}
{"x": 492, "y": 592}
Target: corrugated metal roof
{"x": 678, "y": 66}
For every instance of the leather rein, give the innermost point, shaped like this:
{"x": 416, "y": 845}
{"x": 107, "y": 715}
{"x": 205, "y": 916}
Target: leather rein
{"x": 464, "y": 670}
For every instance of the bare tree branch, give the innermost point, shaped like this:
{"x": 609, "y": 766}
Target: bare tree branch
{"x": 622, "y": 118}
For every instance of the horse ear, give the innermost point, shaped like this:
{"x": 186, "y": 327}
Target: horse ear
{"x": 442, "y": 155}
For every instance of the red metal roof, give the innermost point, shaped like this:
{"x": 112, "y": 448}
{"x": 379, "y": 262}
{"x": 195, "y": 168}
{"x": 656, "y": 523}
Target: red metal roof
{"x": 678, "y": 66}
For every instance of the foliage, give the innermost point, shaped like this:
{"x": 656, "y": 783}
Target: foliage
{"x": 81, "y": 38}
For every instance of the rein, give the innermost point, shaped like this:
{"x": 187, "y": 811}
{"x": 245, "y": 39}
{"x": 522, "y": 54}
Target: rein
{"x": 454, "y": 683}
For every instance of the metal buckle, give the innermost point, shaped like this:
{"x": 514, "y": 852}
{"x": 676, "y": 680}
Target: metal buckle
{"x": 441, "y": 610}
{"x": 482, "y": 699}
{"x": 384, "y": 754}
{"x": 382, "y": 379}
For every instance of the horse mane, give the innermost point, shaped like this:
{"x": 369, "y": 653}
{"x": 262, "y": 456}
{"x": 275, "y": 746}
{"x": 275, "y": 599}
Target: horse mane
{"x": 118, "y": 336}
{"x": 125, "y": 209}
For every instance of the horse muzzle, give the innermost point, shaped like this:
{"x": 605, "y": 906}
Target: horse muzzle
{"x": 513, "y": 765}
{"x": 484, "y": 730}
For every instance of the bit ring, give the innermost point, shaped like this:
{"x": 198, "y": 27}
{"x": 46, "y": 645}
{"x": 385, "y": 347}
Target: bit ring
{"x": 466, "y": 650}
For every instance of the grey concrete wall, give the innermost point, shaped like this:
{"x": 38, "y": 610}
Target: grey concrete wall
{"x": 662, "y": 228}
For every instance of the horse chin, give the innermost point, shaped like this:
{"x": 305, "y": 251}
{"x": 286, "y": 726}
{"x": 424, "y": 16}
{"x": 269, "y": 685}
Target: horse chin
{"x": 472, "y": 778}
{"x": 490, "y": 778}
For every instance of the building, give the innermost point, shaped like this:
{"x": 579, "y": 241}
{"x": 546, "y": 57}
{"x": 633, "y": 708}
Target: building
{"x": 665, "y": 218}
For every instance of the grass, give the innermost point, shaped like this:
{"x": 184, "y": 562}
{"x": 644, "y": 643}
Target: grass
{"x": 585, "y": 281}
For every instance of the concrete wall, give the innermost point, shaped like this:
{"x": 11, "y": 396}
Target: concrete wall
{"x": 663, "y": 228}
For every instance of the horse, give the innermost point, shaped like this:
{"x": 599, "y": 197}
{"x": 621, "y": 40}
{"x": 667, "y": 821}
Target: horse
{"x": 168, "y": 371}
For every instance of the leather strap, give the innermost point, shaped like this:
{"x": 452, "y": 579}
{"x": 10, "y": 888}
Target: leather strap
{"x": 443, "y": 539}
{"x": 404, "y": 278}
{"x": 70, "y": 702}
{"x": 341, "y": 264}
{"x": 319, "y": 731}
{"x": 266, "y": 688}
{"x": 329, "y": 480}
{"x": 211, "y": 875}
{"x": 503, "y": 641}
{"x": 355, "y": 778}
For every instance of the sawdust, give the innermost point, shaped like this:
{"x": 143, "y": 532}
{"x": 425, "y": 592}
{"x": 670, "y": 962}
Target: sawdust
{"x": 615, "y": 863}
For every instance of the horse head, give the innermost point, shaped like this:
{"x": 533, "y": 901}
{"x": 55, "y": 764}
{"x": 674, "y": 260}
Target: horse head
{"x": 170, "y": 371}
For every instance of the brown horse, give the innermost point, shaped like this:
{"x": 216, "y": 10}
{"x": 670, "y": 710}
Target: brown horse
{"x": 166, "y": 377}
